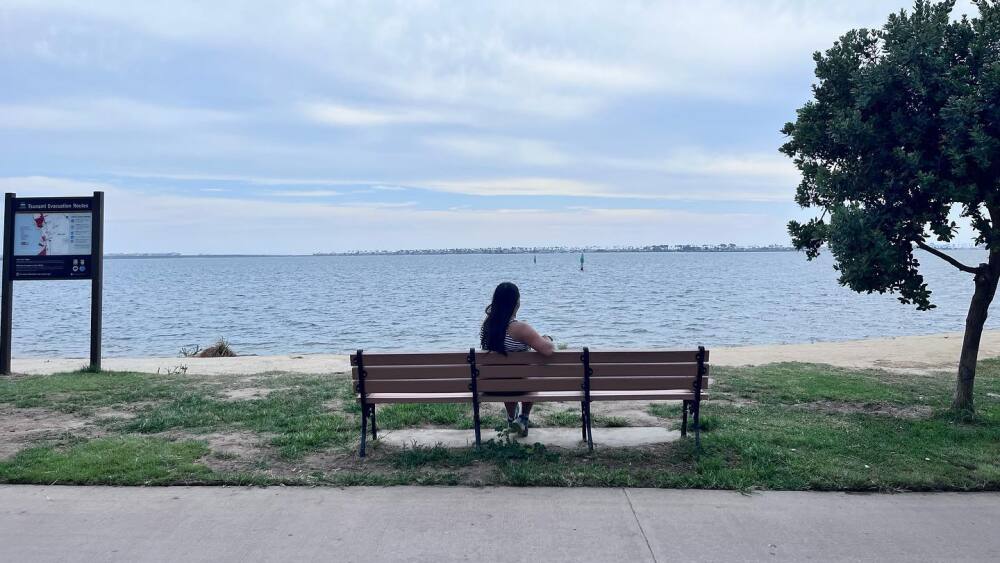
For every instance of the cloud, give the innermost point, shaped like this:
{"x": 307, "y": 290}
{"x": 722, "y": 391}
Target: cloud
{"x": 107, "y": 113}
{"x": 304, "y": 193}
{"x": 529, "y": 186}
{"x": 707, "y": 183}
{"x": 258, "y": 180}
{"x": 702, "y": 163}
{"x": 551, "y": 59}
{"x": 524, "y": 151}
{"x": 380, "y": 204}
{"x": 577, "y": 72}
{"x": 350, "y": 116}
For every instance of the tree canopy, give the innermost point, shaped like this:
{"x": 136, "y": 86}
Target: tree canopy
{"x": 903, "y": 131}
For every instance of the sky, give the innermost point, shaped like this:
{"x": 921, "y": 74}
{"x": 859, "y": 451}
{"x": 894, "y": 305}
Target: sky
{"x": 315, "y": 126}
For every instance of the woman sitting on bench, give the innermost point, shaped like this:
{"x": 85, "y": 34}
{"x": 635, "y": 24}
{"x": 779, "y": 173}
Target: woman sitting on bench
{"x": 502, "y": 332}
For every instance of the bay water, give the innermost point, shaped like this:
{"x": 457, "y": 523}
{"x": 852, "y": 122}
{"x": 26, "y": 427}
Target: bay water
{"x": 337, "y": 304}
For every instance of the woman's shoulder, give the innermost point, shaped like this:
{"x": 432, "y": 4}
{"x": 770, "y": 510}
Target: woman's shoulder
{"x": 517, "y": 326}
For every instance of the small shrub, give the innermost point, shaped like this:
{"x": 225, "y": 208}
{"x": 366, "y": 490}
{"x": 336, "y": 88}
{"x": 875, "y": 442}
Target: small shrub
{"x": 220, "y": 349}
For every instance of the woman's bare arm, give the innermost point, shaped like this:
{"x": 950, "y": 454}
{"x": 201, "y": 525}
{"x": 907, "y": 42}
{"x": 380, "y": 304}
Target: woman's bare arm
{"x": 524, "y": 333}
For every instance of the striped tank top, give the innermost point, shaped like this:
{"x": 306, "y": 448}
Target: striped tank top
{"x": 509, "y": 343}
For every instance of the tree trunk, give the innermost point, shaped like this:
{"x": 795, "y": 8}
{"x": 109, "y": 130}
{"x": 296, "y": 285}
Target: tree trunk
{"x": 986, "y": 287}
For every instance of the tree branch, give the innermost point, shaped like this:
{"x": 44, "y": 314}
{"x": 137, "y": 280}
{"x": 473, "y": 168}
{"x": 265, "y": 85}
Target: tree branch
{"x": 947, "y": 258}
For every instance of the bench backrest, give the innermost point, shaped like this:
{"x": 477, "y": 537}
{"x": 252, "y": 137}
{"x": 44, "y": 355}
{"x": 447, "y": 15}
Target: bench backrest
{"x": 521, "y": 372}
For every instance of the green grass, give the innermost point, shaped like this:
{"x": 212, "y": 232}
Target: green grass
{"x": 298, "y": 418}
{"x": 571, "y": 419}
{"x": 83, "y": 391}
{"x": 405, "y": 415}
{"x": 791, "y": 383}
{"x": 495, "y": 450}
{"x": 782, "y": 426}
{"x": 109, "y": 461}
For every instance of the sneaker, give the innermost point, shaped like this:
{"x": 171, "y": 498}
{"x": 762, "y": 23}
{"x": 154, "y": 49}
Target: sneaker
{"x": 515, "y": 427}
{"x": 512, "y": 420}
{"x": 522, "y": 424}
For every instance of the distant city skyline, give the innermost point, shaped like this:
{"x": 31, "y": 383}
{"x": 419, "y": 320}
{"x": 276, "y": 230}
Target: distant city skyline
{"x": 730, "y": 247}
{"x": 301, "y": 127}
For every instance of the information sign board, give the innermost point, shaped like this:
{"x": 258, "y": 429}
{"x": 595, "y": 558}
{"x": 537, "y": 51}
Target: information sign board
{"x": 53, "y": 238}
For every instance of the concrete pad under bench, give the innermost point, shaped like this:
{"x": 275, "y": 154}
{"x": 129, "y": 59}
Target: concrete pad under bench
{"x": 553, "y": 437}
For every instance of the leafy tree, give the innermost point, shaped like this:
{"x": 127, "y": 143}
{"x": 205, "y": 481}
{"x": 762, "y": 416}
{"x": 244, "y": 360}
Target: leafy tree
{"x": 903, "y": 130}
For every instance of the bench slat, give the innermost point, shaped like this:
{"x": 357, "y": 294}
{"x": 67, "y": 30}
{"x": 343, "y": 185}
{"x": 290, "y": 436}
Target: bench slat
{"x": 528, "y": 358}
{"x": 561, "y": 357}
{"x": 530, "y": 384}
{"x": 551, "y": 370}
{"x": 436, "y": 358}
{"x": 645, "y": 356}
{"x": 562, "y": 396}
{"x": 414, "y": 372}
{"x": 419, "y": 398}
{"x": 599, "y": 371}
{"x": 535, "y": 397}
{"x": 509, "y": 371}
{"x": 642, "y": 384}
{"x": 643, "y": 370}
{"x": 526, "y": 384}
{"x": 417, "y": 386}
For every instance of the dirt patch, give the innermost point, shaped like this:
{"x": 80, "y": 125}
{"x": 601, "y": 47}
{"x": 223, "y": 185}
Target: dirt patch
{"x": 243, "y": 444}
{"x": 329, "y": 460}
{"x": 635, "y": 412}
{"x": 732, "y": 401}
{"x": 329, "y": 464}
{"x": 21, "y": 428}
{"x": 108, "y": 413}
{"x": 248, "y": 393}
{"x": 905, "y": 366}
{"x": 883, "y": 409}
{"x": 231, "y": 452}
{"x": 477, "y": 474}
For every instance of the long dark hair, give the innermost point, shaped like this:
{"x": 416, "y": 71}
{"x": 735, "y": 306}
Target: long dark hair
{"x": 498, "y": 315}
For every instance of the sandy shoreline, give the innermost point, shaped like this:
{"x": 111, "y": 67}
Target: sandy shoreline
{"x": 904, "y": 353}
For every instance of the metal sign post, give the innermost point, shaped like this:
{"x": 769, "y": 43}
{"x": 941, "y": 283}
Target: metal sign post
{"x": 52, "y": 238}
{"x": 96, "y": 281}
{"x": 7, "y": 300}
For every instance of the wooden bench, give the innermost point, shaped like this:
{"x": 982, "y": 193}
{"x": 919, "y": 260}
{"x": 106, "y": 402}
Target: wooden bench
{"x": 478, "y": 377}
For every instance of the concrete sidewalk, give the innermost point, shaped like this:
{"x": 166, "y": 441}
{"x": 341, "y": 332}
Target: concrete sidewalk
{"x": 489, "y": 524}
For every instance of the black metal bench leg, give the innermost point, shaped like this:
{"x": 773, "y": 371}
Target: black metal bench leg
{"x": 476, "y": 420}
{"x": 374, "y": 428}
{"x": 590, "y": 430}
{"x": 474, "y": 390}
{"x": 364, "y": 429}
{"x": 684, "y": 418}
{"x": 583, "y": 419}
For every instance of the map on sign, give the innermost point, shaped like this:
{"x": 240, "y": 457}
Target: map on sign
{"x": 52, "y": 234}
